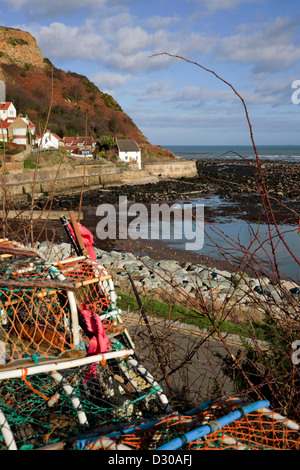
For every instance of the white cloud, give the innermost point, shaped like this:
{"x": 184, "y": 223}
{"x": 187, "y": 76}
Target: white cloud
{"x": 45, "y": 9}
{"x": 122, "y": 47}
{"x": 108, "y": 81}
{"x": 61, "y": 41}
{"x": 192, "y": 96}
{"x": 116, "y": 41}
{"x": 161, "y": 22}
{"x": 157, "y": 90}
{"x": 269, "y": 50}
{"x": 214, "y": 5}
{"x": 131, "y": 41}
{"x": 110, "y": 24}
{"x": 198, "y": 43}
{"x": 279, "y": 90}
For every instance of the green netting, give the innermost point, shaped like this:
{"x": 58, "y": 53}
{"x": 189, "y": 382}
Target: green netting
{"x": 53, "y": 391}
{"x": 39, "y": 411}
{"x": 41, "y": 326}
{"x": 223, "y": 424}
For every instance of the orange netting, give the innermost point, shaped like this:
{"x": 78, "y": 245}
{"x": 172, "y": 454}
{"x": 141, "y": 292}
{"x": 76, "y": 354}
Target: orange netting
{"x": 39, "y": 300}
{"x": 34, "y": 322}
{"x": 252, "y": 432}
{"x": 93, "y": 288}
{"x": 259, "y": 430}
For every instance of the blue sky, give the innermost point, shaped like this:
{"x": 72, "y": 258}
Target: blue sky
{"x": 253, "y": 44}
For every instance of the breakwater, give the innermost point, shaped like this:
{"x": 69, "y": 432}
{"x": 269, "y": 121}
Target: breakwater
{"x": 241, "y": 295}
{"x": 20, "y": 185}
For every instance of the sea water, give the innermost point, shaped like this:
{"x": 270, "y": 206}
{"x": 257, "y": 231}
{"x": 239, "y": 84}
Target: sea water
{"x": 290, "y": 153}
{"x": 229, "y": 237}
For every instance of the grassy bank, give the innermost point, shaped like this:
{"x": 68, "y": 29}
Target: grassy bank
{"x": 127, "y": 302}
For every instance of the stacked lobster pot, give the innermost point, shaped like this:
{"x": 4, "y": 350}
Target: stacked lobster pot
{"x": 67, "y": 361}
{"x": 70, "y": 378}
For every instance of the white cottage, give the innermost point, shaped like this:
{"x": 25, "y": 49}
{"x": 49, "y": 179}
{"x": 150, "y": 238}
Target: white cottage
{"x": 129, "y": 152}
{"x": 50, "y": 140}
{"x": 7, "y": 110}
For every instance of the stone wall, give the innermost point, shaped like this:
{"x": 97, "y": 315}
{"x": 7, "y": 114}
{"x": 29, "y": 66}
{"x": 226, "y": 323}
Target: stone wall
{"x": 19, "y": 184}
{"x": 173, "y": 169}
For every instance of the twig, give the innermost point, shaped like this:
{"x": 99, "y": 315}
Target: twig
{"x": 264, "y": 189}
{"x": 84, "y": 171}
{"x": 152, "y": 338}
{"x": 36, "y": 165}
{"x": 4, "y": 221}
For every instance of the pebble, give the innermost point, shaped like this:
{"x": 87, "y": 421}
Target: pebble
{"x": 154, "y": 274}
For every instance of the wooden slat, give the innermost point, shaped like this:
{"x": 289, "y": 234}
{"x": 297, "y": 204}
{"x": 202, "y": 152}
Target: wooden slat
{"x": 36, "y": 284}
{"x": 4, "y": 250}
{"x": 93, "y": 281}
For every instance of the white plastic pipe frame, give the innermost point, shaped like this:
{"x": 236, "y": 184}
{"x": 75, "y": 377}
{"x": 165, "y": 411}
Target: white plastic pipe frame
{"x": 52, "y": 368}
{"x": 67, "y": 364}
{"x": 108, "y": 287}
{"x": 7, "y": 433}
{"x": 150, "y": 379}
{"x": 73, "y": 397}
{"x": 282, "y": 419}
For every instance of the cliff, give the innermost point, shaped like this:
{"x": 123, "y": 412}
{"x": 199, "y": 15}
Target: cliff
{"x": 19, "y": 48}
{"x": 34, "y": 84}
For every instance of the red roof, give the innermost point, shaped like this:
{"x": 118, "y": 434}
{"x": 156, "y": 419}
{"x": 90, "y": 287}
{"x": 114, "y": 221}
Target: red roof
{"x": 5, "y": 105}
{"x": 69, "y": 147}
{"x": 6, "y": 123}
{"x": 78, "y": 140}
{"x": 88, "y": 140}
{"x": 56, "y": 136}
{"x": 68, "y": 140}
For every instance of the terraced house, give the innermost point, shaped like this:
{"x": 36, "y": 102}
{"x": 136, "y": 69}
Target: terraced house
{"x": 18, "y": 130}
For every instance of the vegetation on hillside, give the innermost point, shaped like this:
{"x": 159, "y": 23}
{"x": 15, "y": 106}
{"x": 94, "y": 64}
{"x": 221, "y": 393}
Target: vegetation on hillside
{"x": 78, "y": 104}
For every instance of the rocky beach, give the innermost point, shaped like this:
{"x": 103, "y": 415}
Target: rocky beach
{"x": 226, "y": 178}
{"x": 227, "y": 188}
{"x": 235, "y": 183}
{"x": 181, "y": 281}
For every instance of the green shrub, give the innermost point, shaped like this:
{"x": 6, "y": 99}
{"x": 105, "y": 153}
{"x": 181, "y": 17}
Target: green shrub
{"x": 29, "y": 164}
{"x": 110, "y": 102}
{"x": 102, "y": 154}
